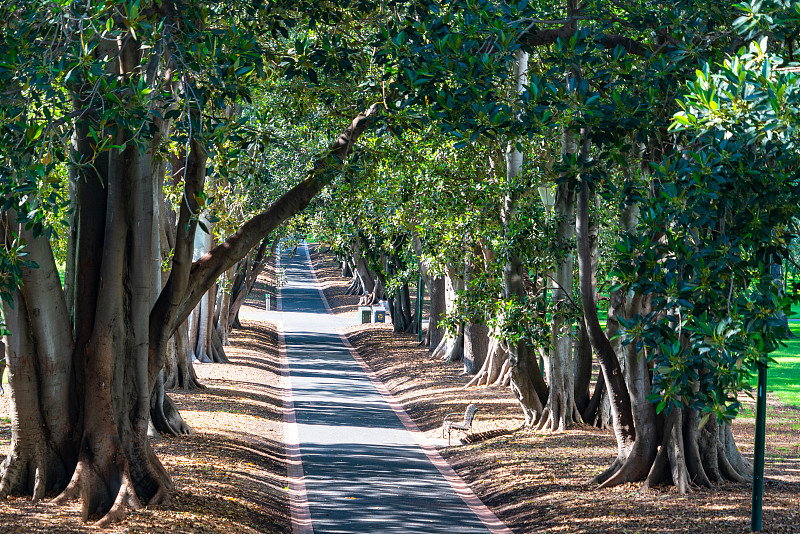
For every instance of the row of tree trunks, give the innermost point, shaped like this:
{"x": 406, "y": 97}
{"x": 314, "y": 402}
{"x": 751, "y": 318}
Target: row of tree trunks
{"x": 86, "y": 364}
{"x": 247, "y": 273}
{"x": 526, "y": 382}
{"x": 435, "y": 286}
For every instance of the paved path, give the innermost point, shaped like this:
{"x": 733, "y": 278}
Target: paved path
{"x": 356, "y": 464}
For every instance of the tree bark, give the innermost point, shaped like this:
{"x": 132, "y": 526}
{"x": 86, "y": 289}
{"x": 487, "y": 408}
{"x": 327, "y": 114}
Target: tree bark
{"x": 527, "y": 382}
{"x": 476, "y": 347}
{"x": 121, "y": 330}
{"x": 117, "y": 466}
{"x": 476, "y": 335}
{"x": 246, "y": 279}
{"x": 583, "y": 369}
{"x": 495, "y": 370}
{"x": 451, "y": 346}
{"x": 179, "y": 372}
{"x": 437, "y": 309}
{"x": 38, "y": 356}
{"x": 561, "y": 411}
{"x": 621, "y": 408}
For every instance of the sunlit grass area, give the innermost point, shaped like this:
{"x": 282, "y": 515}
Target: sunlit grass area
{"x": 783, "y": 378}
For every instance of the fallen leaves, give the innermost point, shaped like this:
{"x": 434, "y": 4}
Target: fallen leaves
{"x": 229, "y": 475}
{"x": 538, "y": 482}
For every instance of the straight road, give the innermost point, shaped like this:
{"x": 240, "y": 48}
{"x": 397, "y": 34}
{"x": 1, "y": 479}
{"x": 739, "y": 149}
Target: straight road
{"x": 357, "y": 467}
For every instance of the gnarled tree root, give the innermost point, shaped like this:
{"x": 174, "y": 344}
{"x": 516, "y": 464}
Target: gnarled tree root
{"x": 688, "y": 457}
{"x": 107, "y": 488}
{"x": 164, "y": 415}
{"x": 33, "y": 471}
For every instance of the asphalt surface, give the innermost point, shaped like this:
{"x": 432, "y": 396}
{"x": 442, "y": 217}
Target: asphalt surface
{"x": 364, "y": 472}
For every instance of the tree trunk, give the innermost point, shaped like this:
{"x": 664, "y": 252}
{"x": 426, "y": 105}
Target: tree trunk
{"x": 407, "y": 309}
{"x": 583, "y": 369}
{"x": 117, "y": 466}
{"x": 347, "y": 271}
{"x": 451, "y": 346}
{"x": 476, "y": 334}
{"x": 181, "y": 372}
{"x": 561, "y": 411}
{"x": 495, "y": 370}
{"x": 609, "y": 363}
{"x": 527, "y": 382}
{"x": 246, "y": 279}
{"x": 40, "y": 372}
{"x": 476, "y": 347}
{"x": 203, "y": 316}
{"x": 377, "y": 294}
{"x": 583, "y": 347}
{"x": 120, "y": 335}
{"x": 366, "y": 281}
{"x": 688, "y": 455}
{"x": 437, "y": 309}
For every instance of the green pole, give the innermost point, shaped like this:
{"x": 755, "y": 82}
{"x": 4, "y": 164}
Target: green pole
{"x": 758, "y": 460}
{"x": 541, "y": 359}
{"x": 420, "y": 295}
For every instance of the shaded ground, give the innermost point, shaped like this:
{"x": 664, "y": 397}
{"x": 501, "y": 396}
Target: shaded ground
{"x": 230, "y": 475}
{"x": 537, "y": 482}
{"x": 329, "y": 274}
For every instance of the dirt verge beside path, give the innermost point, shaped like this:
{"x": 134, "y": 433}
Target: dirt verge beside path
{"x": 537, "y": 482}
{"x": 230, "y": 474}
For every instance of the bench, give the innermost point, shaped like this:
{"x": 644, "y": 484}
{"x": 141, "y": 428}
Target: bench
{"x": 463, "y": 425}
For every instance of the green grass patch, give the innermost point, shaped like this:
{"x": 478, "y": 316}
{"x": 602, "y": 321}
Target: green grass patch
{"x": 783, "y": 377}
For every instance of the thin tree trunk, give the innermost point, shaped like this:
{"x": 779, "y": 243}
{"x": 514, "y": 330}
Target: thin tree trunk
{"x": 583, "y": 369}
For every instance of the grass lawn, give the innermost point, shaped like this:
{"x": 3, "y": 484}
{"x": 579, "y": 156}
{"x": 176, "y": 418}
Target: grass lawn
{"x": 783, "y": 378}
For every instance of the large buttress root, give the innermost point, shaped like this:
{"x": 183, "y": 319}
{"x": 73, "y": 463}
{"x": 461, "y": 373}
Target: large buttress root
{"x": 527, "y": 383}
{"x": 690, "y": 456}
{"x": 494, "y": 370}
{"x": 117, "y": 468}
{"x": 670, "y": 462}
{"x": 179, "y": 365}
{"x": 450, "y": 348}
{"x": 164, "y": 414}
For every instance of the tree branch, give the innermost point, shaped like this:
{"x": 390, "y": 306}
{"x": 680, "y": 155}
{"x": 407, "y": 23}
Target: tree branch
{"x": 212, "y": 264}
{"x": 567, "y": 30}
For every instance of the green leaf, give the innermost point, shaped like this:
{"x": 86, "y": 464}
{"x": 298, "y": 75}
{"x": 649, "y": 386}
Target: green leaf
{"x": 703, "y": 420}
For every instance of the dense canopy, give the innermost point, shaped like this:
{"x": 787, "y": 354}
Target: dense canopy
{"x": 609, "y": 181}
